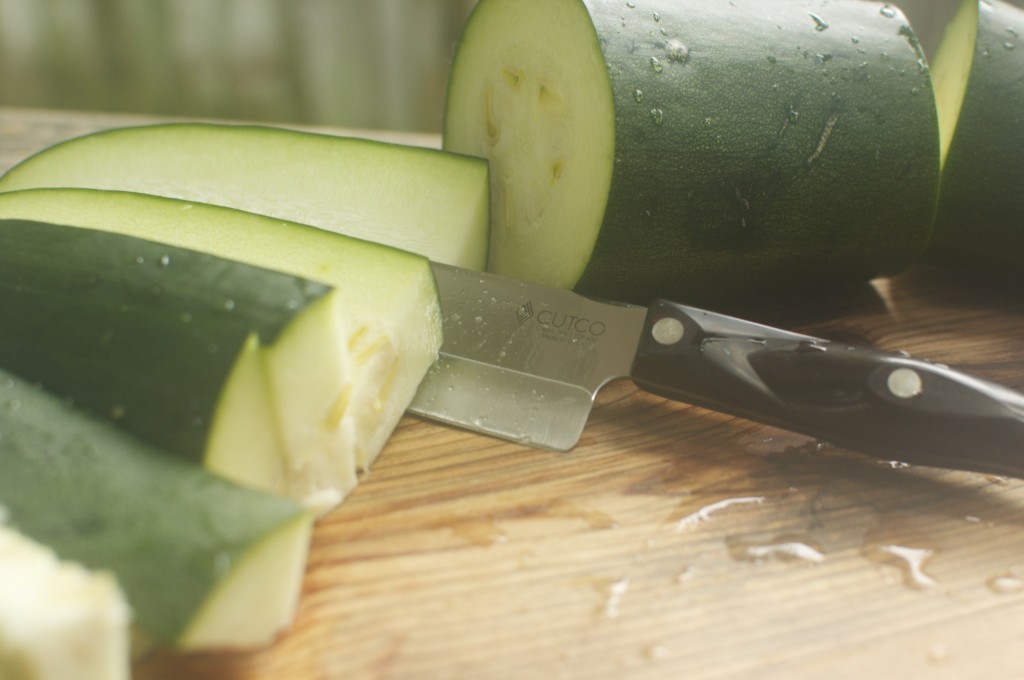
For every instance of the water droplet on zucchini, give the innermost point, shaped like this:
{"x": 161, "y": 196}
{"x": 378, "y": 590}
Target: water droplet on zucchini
{"x": 677, "y": 51}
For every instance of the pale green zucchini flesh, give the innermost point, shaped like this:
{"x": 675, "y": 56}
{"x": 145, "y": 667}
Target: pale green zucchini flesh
{"x": 705, "y": 150}
{"x": 422, "y": 200}
{"x": 951, "y": 69}
{"x": 203, "y": 563}
{"x": 58, "y": 620}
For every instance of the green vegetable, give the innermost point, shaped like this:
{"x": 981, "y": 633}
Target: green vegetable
{"x": 202, "y": 562}
{"x": 421, "y": 200}
{"x": 980, "y": 221}
{"x": 276, "y": 381}
{"x": 702, "y": 149}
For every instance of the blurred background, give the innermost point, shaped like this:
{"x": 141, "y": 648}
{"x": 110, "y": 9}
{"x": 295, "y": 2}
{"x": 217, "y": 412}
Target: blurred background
{"x": 352, "y": 63}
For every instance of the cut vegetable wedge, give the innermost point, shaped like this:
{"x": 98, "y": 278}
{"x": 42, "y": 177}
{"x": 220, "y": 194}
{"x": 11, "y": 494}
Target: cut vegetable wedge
{"x": 704, "y": 149}
{"x": 276, "y": 381}
{"x": 388, "y": 297}
{"x": 417, "y": 199}
{"x": 204, "y": 563}
{"x": 58, "y": 620}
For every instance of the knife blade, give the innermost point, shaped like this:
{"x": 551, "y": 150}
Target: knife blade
{"x": 524, "y": 362}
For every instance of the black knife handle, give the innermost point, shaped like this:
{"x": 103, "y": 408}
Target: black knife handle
{"x": 887, "y": 405}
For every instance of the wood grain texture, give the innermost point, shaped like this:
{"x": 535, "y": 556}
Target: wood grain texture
{"x": 673, "y": 542}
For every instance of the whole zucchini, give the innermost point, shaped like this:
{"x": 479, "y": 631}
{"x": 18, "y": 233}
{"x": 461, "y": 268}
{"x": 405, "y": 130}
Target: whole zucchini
{"x": 704, "y": 149}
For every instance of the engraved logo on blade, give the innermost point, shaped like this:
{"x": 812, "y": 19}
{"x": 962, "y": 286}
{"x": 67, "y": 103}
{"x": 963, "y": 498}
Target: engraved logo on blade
{"x": 560, "y": 326}
{"x": 525, "y": 312}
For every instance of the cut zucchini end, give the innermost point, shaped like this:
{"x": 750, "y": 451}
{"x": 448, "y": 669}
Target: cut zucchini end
{"x": 57, "y": 619}
{"x": 244, "y": 444}
{"x": 259, "y": 599}
{"x": 951, "y": 70}
{"x": 337, "y": 385}
{"x": 530, "y": 92}
{"x": 309, "y": 374}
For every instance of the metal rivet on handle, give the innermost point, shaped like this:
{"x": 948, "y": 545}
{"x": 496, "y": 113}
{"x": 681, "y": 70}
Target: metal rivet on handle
{"x": 668, "y": 331}
{"x": 905, "y": 383}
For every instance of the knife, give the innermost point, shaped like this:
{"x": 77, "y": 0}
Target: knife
{"x": 524, "y": 362}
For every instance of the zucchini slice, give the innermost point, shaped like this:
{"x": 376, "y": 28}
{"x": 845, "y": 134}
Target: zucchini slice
{"x": 271, "y": 378}
{"x": 703, "y": 149}
{"x": 980, "y": 221}
{"x": 421, "y": 200}
{"x": 58, "y": 620}
{"x": 203, "y": 562}
{"x": 388, "y": 296}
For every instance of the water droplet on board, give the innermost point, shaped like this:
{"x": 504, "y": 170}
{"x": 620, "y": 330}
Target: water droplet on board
{"x": 887, "y": 12}
{"x": 165, "y": 261}
{"x": 658, "y": 116}
{"x": 656, "y": 652}
{"x": 937, "y": 653}
{"x": 594, "y": 518}
{"x": 708, "y": 511}
{"x": 819, "y": 23}
{"x": 615, "y": 592}
{"x": 229, "y": 304}
{"x": 657, "y": 17}
{"x": 910, "y": 560}
{"x": 1009, "y": 45}
{"x": 483, "y": 532}
{"x": 781, "y": 548}
{"x": 638, "y": 95}
{"x": 657, "y": 65}
{"x": 1006, "y": 584}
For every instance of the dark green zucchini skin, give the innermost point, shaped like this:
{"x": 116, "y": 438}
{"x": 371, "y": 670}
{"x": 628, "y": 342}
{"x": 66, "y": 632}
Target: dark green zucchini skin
{"x": 168, "y": 530}
{"x": 980, "y": 223}
{"x": 138, "y": 332}
{"x": 762, "y": 147}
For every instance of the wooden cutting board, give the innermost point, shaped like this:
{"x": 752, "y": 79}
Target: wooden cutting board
{"x": 673, "y": 542}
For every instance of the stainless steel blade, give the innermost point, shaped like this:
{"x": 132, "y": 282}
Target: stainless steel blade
{"x": 521, "y": 361}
